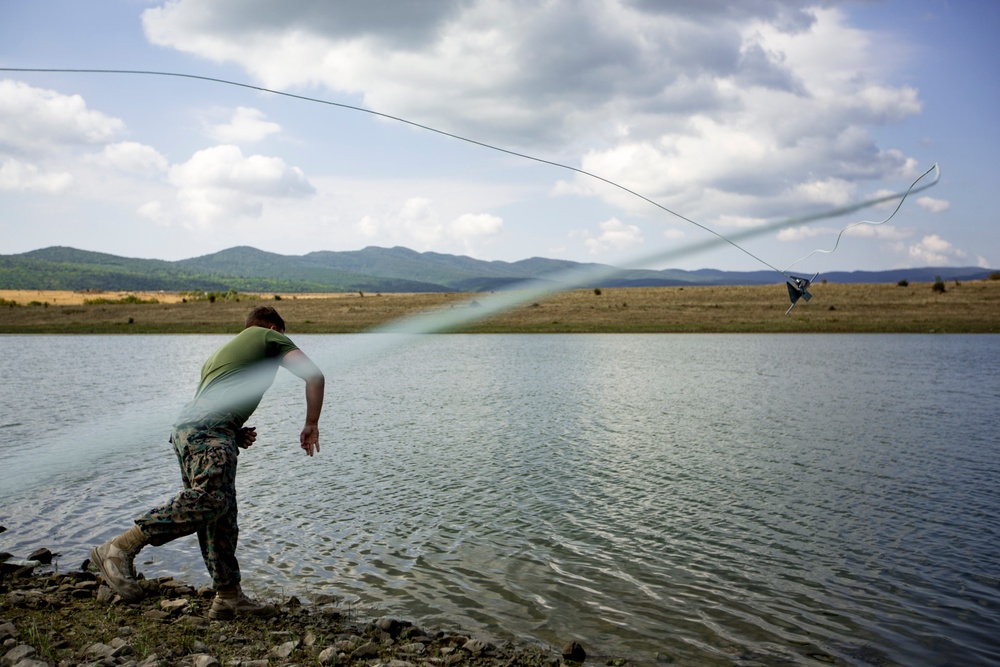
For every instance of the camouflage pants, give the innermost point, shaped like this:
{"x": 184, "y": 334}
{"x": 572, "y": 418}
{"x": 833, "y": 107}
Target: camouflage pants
{"x": 207, "y": 453}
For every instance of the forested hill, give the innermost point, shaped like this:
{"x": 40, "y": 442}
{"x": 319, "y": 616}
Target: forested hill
{"x": 372, "y": 269}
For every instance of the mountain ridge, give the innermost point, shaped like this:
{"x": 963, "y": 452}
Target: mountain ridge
{"x": 371, "y": 269}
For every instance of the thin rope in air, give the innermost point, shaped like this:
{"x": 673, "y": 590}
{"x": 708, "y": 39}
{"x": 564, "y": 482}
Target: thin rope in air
{"x": 483, "y": 144}
{"x": 899, "y": 205}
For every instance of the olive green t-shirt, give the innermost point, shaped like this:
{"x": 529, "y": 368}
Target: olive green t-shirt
{"x": 235, "y": 377}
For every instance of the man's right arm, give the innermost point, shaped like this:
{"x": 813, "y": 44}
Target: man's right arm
{"x": 299, "y": 364}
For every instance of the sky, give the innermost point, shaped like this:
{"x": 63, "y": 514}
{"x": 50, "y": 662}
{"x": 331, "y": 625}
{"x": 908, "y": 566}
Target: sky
{"x": 730, "y": 114}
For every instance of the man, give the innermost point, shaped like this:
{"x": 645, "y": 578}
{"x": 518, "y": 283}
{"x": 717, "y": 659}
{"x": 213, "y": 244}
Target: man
{"x": 207, "y": 437}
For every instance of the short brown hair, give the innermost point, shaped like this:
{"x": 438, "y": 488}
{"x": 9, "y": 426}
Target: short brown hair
{"x": 265, "y": 316}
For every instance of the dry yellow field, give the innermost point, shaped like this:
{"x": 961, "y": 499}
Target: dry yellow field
{"x": 70, "y": 298}
{"x": 968, "y": 307}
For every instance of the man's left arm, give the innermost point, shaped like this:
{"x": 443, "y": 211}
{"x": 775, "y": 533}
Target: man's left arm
{"x": 299, "y": 364}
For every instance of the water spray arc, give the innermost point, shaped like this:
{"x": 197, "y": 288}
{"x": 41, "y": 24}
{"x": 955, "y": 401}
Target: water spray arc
{"x": 410, "y": 330}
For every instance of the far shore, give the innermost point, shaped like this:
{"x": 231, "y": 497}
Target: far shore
{"x": 953, "y": 307}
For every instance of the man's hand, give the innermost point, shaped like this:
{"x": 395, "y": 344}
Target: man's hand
{"x": 309, "y": 438}
{"x": 246, "y": 436}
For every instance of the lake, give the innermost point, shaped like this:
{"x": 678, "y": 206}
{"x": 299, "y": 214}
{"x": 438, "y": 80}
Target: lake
{"x": 702, "y": 499}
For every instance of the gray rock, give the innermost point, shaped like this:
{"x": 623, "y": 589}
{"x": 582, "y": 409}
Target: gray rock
{"x": 105, "y": 594}
{"x": 152, "y": 660}
{"x": 415, "y": 648}
{"x": 284, "y": 651}
{"x": 17, "y": 654}
{"x": 476, "y": 646}
{"x": 365, "y": 651}
{"x": 174, "y": 607}
{"x": 32, "y": 662}
{"x": 328, "y": 657}
{"x": 204, "y": 660}
{"x": 7, "y": 631}
{"x": 391, "y": 626}
{"x": 99, "y": 650}
{"x": 346, "y": 645}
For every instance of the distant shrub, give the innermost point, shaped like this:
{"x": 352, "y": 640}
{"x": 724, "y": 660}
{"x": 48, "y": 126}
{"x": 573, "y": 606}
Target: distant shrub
{"x": 597, "y": 291}
{"x": 277, "y": 297}
{"x": 904, "y": 283}
{"x": 10, "y": 303}
{"x": 995, "y": 275}
{"x": 130, "y": 299}
{"x": 938, "y": 286}
{"x": 231, "y": 295}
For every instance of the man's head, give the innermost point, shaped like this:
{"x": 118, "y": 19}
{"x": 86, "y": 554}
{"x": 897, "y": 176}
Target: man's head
{"x": 267, "y": 317}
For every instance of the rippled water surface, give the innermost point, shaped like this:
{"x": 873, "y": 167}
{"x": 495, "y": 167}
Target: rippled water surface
{"x": 712, "y": 499}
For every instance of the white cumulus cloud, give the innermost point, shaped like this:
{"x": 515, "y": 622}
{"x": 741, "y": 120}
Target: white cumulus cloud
{"x": 615, "y": 235}
{"x": 418, "y": 223}
{"x": 136, "y": 158}
{"x": 932, "y": 250}
{"x": 721, "y": 111}
{"x": 933, "y": 205}
{"x": 475, "y": 225}
{"x": 40, "y": 120}
{"x": 17, "y": 175}
{"x": 246, "y": 125}
{"x": 804, "y": 232}
{"x": 220, "y": 182}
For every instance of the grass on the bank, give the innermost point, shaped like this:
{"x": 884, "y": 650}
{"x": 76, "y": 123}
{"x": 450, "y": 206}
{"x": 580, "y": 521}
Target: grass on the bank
{"x": 90, "y": 621}
{"x": 955, "y": 307}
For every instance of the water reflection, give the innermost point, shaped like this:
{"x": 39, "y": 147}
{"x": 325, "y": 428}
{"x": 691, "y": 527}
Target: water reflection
{"x": 711, "y": 498}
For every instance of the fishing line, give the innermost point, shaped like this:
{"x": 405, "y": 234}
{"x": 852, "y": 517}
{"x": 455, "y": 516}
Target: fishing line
{"x": 114, "y": 431}
{"x": 799, "y": 283}
{"x": 908, "y": 192}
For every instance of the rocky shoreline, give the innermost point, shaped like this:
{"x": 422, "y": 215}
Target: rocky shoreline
{"x": 64, "y": 619}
